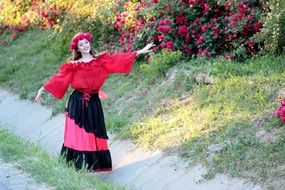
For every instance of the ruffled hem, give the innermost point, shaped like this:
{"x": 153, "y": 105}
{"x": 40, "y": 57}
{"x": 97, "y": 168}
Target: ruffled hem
{"x": 95, "y": 161}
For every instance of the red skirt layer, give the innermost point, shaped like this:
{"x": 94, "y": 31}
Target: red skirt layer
{"x": 78, "y": 139}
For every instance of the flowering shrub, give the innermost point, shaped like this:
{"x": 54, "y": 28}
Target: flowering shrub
{"x": 280, "y": 112}
{"x": 87, "y": 15}
{"x": 196, "y": 27}
{"x": 19, "y": 16}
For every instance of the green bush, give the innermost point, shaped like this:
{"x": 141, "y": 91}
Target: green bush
{"x": 273, "y": 32}
{"x": 87, "y": 16}
{"x": 159, "y": 63}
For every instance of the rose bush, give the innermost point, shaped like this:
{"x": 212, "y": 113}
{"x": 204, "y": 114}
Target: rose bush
{"x": 195, "y": 27}
{"x": 18, "y": 16}
{"x": 280, "y": 112}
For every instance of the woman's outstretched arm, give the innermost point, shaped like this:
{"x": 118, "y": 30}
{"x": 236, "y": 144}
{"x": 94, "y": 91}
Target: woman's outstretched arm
{"x": 39, "y": 98}
{"x": 146, "y": 49}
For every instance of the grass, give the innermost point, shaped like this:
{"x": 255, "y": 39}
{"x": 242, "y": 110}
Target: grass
{"x": 236, "y": 108}
{"x": 54, "y": 172}
{"x": 26, "y": 63}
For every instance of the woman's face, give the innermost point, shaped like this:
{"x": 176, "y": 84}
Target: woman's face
{"x": 83, "y": 46}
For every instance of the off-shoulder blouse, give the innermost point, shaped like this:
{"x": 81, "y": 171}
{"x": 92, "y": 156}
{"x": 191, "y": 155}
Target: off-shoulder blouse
{"x": 89, "y": 76}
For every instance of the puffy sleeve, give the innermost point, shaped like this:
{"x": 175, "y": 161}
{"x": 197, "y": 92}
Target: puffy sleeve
{"x": 59, "y": 83}
{"x": 119, "y": 63}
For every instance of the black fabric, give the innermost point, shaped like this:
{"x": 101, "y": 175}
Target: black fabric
{"x": 93, "y": 160}
{"x": 87, "y": 113}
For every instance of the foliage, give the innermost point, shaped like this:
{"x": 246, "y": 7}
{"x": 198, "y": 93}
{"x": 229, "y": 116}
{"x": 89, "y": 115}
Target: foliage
{"x": 93, "y": 16}
{"x": 273, "y": 32}
{"x": 18, "y": 16}
{"x": 159, "y": 63}
{"x": 195, "y": 27}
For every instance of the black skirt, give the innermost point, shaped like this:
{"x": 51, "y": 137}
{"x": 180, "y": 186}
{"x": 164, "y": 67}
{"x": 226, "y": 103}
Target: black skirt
{"x": 85, "y": 137}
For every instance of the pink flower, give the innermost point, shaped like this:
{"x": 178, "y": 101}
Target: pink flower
{"x": 167, "y": 21}
{"x": 277, "y": 113}
{"x": 282, "y": 111}
{"x": 155, "y": 1}
{"x": 199, "y": 40}
{"x": 282, "y": 119}
{"x": 138, "y": 7}
{"x": 161, "y": 37}
{"x": 204, "y": 28}
{"x": 210, "y": 25}
{"x": 216, "y": 32}
{"x": 163, "y": 45}
{"x": 155, "y": 39}
{"x": 257, "y": 26}
{"x": 187, "y": 37}
{"x": 182, "y": 30}
{"x": 206, "y": 8}
{"x": 192, "y": 1}
{"x": 180, "y": 19}
{"x": 229, "y": 56}
{"x": 282, "y": 103}
{"x": 228, "y": 4}
{"x": 161, "y": 22}
{"x": 198, "y": 20}
{"x": 203, "y": 52}
{"x": 117, "y": 25}
{"x": 163, "y": 29}
{"x": 169, "y": 44}
{"x": 246, "y": 29}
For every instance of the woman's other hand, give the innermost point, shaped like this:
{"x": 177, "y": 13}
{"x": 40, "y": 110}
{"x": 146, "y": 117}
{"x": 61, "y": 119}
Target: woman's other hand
{"x": 39, "y": 98}
{"x": 146, "y": 49}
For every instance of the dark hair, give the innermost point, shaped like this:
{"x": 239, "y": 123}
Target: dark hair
{"x": 77, "y": 54}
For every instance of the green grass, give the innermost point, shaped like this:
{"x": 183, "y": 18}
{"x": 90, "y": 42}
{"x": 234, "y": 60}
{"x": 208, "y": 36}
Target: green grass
{"x": 235, "y": 108}
{"x": 54, "y": 172}
{"x": 27, "y": 62}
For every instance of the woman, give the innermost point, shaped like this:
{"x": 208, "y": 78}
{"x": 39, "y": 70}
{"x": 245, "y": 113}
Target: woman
{"x": 85, "y": 137}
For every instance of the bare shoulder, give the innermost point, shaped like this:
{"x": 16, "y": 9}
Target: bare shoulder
{"x": 73, "y": 62}
{"x": 101, "y": 53}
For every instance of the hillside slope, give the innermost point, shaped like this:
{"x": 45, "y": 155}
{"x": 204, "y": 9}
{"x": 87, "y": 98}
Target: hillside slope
{"x": 216, "y": 112}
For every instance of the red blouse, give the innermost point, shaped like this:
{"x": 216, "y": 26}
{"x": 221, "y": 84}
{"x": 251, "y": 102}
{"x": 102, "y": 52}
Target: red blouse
{"x": 89, "y": 76}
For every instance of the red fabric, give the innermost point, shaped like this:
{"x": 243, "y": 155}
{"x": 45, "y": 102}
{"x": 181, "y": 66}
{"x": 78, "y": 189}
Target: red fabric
{"x": 78, "y": 139}
{"x": 89, "y": 76}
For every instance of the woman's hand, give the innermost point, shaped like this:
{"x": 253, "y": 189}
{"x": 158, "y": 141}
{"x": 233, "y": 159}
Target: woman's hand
{"x": 146, "y": 49}
{"x": 39, "y": 98}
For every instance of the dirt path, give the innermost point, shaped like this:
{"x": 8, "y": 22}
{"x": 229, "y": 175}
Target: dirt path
{"x": 12, "y": 178}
